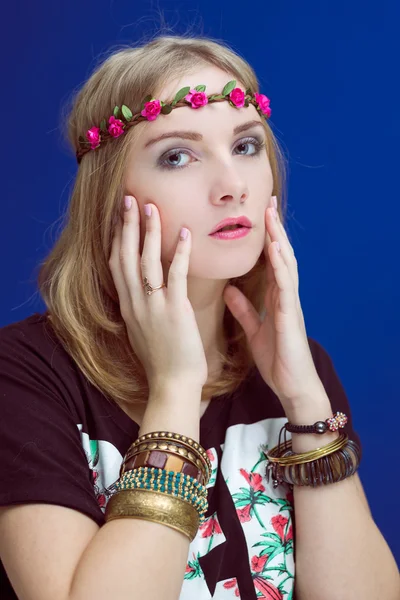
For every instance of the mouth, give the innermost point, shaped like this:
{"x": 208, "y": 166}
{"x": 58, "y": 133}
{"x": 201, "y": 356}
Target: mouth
{"x": 231, "y": 232}
{"x": 232, "y": 223}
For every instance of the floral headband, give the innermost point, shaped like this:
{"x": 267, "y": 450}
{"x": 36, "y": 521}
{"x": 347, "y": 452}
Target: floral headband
{"x": 123, "y": 119}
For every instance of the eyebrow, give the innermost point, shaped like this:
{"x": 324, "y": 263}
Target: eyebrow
{"x": 197, "y": 137}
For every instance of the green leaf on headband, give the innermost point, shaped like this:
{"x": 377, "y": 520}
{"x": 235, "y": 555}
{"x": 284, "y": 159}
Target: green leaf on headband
{"x": 126, "y": 112}
{"x": 103, "y": 126}
{"x": 181, "y": 94}
{"x": 116, "y": 111}
{"x": 200, "y": 88}
{"x": 246, "y": 102}
{"x": 229, "y": 87}
{"x": 166, "y": 109}
{"x": 249, "y": 92}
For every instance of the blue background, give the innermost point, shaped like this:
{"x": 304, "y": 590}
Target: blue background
{"x": 331, "y": 70}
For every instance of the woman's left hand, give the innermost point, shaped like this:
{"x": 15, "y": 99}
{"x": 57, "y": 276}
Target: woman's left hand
{"x": 278, "y": 343}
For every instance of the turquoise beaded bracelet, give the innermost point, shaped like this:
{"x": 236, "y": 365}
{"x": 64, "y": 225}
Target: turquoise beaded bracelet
{"x": 177, "y": 484}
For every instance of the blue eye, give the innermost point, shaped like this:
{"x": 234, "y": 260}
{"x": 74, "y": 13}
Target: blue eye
{"x": 163, "y": 164}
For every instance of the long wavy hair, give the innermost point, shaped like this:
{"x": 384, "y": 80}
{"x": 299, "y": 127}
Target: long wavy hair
{"x": 75, "y": 280}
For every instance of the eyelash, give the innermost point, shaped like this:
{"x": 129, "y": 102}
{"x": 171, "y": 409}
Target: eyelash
{"x": 259, "y": 145}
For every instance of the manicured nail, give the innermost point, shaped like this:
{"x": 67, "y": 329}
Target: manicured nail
{"x": 184, "y": 233}
{"x": 147, "y": 210}
{"x": 128, "y": 202}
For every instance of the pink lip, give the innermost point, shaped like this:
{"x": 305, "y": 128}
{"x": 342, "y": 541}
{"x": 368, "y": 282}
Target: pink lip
{"x": 243, "y": 220}
{"x": 232, "y": 234}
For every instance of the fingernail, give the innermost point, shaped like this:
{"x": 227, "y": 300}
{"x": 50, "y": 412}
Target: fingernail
{"x": 147, "y": 210}
{"x": 127, "y": 202}
{"x": 184, "y": 233}
{"x": 275, "y": 201}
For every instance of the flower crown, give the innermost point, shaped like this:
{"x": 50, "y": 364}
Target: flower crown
{"x": 122, "y": 119}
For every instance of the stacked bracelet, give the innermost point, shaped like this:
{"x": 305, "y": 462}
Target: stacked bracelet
{"x": 328, "y": 464}
{"x": 163, "y": 479}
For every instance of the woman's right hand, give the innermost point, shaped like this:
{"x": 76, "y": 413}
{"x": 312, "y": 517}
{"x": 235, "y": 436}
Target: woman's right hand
{"x": 161, "y": 327}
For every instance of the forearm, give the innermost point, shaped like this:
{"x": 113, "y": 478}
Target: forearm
{"x": 340, "y": 552}
{"x": 120, "y": 561}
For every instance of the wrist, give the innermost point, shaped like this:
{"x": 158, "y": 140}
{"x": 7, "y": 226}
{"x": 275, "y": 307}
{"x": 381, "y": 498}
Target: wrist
{"x": 318, "y": 409}
{"x": 174, "y": 391}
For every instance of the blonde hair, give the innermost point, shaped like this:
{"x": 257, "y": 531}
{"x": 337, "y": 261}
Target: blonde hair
{"x": 75, "y": 280}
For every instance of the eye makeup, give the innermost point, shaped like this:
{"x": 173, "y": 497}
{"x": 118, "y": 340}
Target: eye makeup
{"x": 162, "y": 163}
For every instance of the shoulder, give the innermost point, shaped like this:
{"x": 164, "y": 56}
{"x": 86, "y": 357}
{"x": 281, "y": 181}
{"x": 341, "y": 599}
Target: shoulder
{"x": 34, "y": 364}
{"x": 33, "y": 341}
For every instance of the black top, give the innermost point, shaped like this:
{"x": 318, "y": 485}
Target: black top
{"x": 62, "y": 442}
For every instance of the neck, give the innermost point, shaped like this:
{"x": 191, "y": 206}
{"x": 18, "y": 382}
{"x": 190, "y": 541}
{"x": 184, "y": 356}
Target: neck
{"x": 209, "y": 307}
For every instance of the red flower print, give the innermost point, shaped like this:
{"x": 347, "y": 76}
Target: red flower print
{"x": 244, "y": 513}
{"x": 232, "y": 583}
{"x": 254, "y": 480}
{"x": 278, "y": 523}
{"x": 210, "y": 527}
{"x": 101, "y": 499}
{"x": 210, "y": 455}
{"x": 258, "y": 562}
{"x": 269, "y": 591}
{"x": 189, "y": 569}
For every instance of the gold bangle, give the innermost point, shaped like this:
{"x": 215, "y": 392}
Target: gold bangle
{"x": 153, "y": 506}
{"x": 297, "y": 459}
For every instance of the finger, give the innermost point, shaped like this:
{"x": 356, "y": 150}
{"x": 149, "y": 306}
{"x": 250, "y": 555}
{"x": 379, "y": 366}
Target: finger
{"x": 277, "y": 233}
{"x": 243, "y": 311}
{"x": 284, "y": 281}
{"x": 178, "y": 271}
{"x": 150, "y": 262}
{"x": 116, "y": 269}
{"x": 129, "y": 255}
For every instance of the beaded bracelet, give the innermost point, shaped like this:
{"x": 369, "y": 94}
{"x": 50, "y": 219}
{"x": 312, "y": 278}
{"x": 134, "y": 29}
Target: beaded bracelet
{"x": 146, "y": 443}
{"x": 170, "y": 459}
{"x": 176, "y": 484}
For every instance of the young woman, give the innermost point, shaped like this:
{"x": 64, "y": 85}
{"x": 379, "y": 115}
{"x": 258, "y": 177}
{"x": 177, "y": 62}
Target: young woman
{"x": 140, "y": 414}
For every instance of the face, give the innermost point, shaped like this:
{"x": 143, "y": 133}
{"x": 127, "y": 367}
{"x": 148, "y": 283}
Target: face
{"x": 198, "y": 183}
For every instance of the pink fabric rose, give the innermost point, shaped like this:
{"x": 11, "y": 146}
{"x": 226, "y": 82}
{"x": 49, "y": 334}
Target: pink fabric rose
{"x": 93, "y": 136}
{"x": 116, "y": 127}
{"x": 263, "y": 102}
{"x": 151, "y": 110}
{"x": 197, "y": 99}
{"x": 237, "y": 96}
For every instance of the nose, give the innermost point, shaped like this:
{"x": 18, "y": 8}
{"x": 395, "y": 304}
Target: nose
{"x": 229, "y": 186}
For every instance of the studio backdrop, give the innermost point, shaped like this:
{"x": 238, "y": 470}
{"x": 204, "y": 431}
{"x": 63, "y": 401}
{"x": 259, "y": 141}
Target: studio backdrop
{"x": 331, "y": 71}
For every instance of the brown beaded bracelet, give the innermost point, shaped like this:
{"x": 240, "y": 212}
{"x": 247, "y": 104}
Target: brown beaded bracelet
{"x": 179, "y": 444}
{"x": 164, "y": 459}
